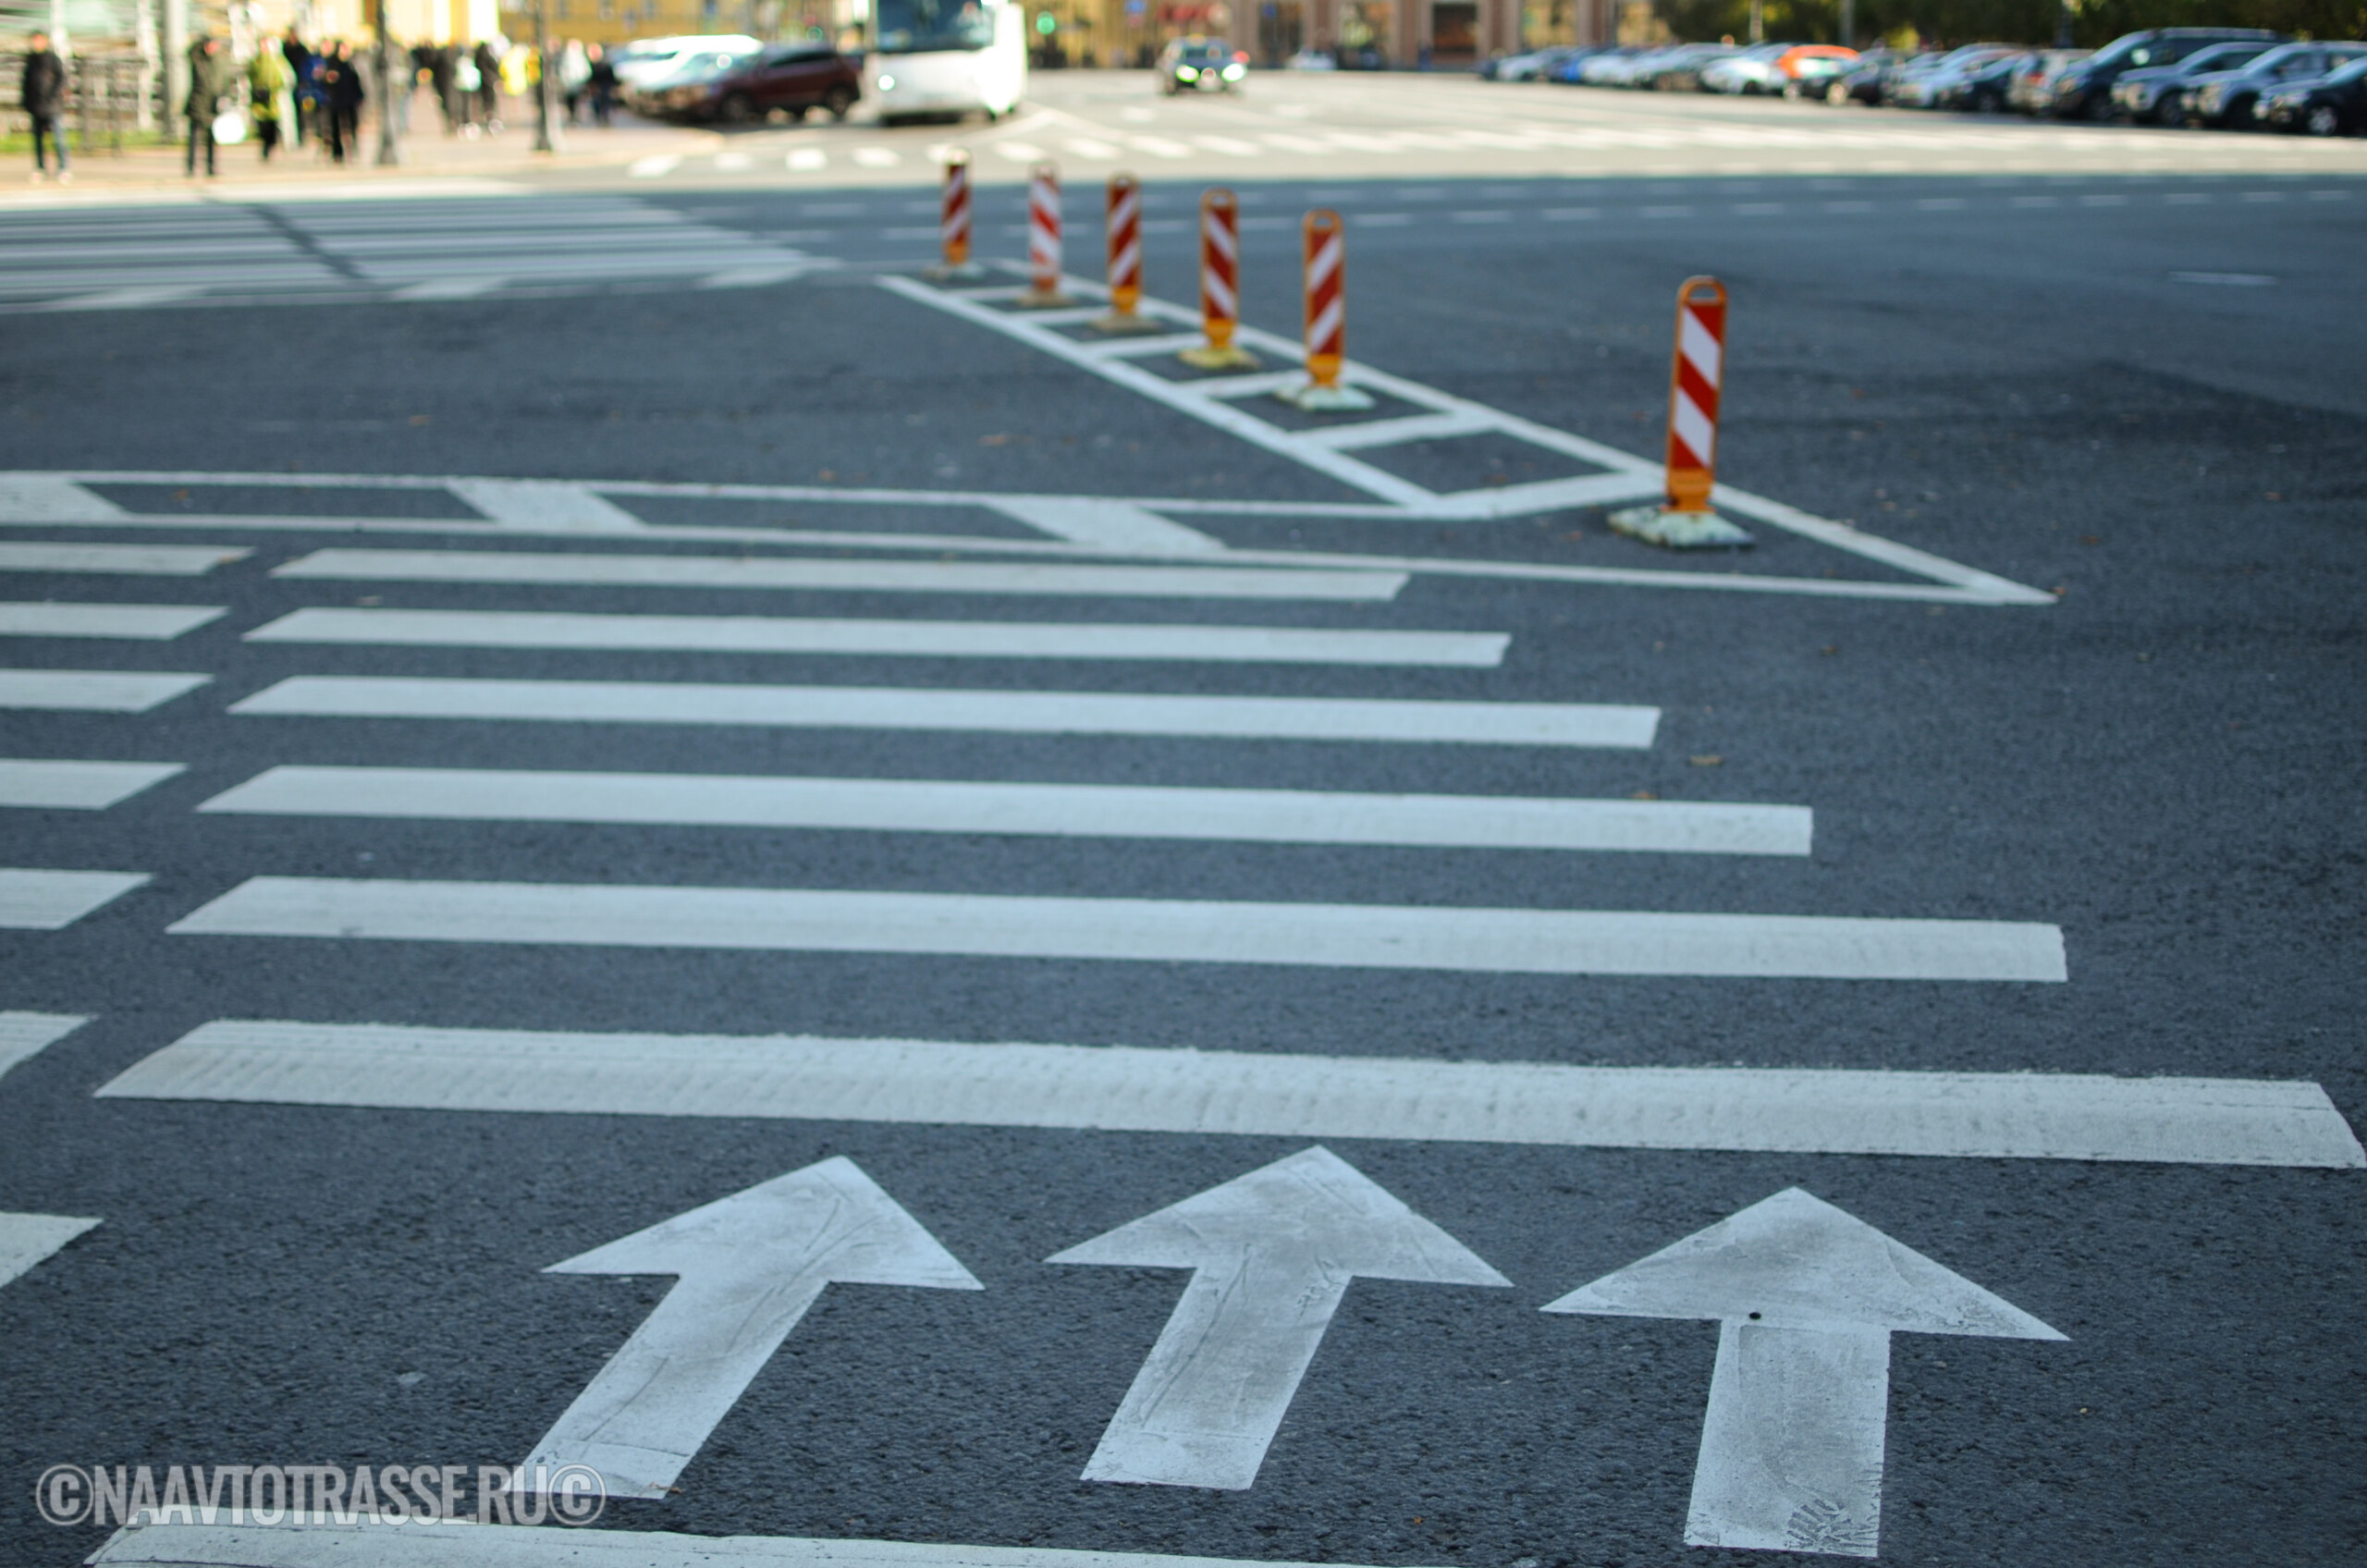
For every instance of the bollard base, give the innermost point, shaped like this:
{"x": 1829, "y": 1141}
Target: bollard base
{"x": 1317, "y": 398}
{"x": 1210, "y": 357}
{"x": 1679, "y": 531}
{"x": 968, "y": 272}
{"x": 1042, "y": 299}
{"x": 1127, "y": 322}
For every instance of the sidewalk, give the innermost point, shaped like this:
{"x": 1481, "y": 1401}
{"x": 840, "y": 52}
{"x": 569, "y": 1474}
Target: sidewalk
{"x": 428, "y": 155}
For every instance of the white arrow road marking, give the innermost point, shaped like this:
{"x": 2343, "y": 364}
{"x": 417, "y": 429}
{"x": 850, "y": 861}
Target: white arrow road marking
{"x": 749, "y": 1265}
{"x": 1806, "y": 1298}
{"x": 1271, "y": 1254}
{"x": 27, "y": 1239}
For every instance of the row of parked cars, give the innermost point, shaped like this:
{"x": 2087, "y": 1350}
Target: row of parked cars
{"x": 2228, "y": 79}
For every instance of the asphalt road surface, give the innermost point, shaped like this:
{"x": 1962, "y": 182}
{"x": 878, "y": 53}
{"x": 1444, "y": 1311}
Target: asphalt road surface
{"x": 643, "y": 735}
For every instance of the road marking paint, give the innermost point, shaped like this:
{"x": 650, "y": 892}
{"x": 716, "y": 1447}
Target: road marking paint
{"x": 730, "y": 163}
{"x": 545, "y": 505}
{"x": 51, "y": 900}
{"x": 153, "y": 623}
{"x": 26, "y": 1033}
{"x": 1085, "y": 147}
{"x": 466, "y": 1545}
{"x": 1159, "y": 147}
{"x": 46, "y": 498}
{"x": 27, "y": 1240}
{"x": 134, "y": 298}
{"x": 884, "y": 576}
{"x": 1495, "y": 941}
{"x": 451, "y": 288}
{"x": 927, "y": 639}
{"x": 746, "y": 1270}
{"x": 1259, "y": 1093}
{"x": 2225, "y": 279}
{"x": 652, "y": 167}
{"x": 92, "y": 691}
{"x": 1231, "y": 146}
{"x": 126, "y": 560}
{"x": 876, "y": 157}
{"x": 77, "y": 786}
{"x": 806, "y": 160}
{"x": 1271, "y": 1256}
{"x": 1070, "y": 810}
{"x": 1112, "y": 524}
{"x": 1035, "y": 713}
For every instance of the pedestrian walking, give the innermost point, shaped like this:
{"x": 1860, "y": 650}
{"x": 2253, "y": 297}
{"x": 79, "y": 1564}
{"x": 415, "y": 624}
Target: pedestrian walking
{"x": 270, "y": 97}
{"x": 574, "y": 71}
{"x": 299, "y": 77}
{"x": 42, "y": 96}
{"x": 341, "y": 87}
{"x": 488, "y": 66}
{"x": 601, "y": 84}
{"x": 210, "y": 81}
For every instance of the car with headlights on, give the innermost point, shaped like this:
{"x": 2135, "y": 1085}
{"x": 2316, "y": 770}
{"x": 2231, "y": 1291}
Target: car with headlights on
{"x": 1200, "y": 65}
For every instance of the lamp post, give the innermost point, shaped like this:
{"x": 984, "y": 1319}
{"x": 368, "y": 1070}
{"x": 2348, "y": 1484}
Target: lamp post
{"x": 388, "y": 153}
{"x": 545, "y": 88}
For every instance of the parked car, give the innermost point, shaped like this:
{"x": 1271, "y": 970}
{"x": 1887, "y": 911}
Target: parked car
{"x": 1862, "y": 82}
{"x": 1200, "y": 65}
{"x": 1609, "y": 69}
{"x": 652, "y": 93}
{"x": 791, "y": 78}
{"x": 1678, "y": 70}
{"x": 1568, "y": 68}
{"x": 1805, "y": 68}
{"x": 1981, "y": 87}
{"x": 2334, "y": 104}
{"x": 1747, "y": 71}
{"x": 2224, "y": 100}
{"x": 1929, "y": 86}
{"x": 1530, "y": 66}
{"x": 2033, "y": 89}
{"x": 2156, "y": 94}
{"x": 2085, "y": 91}
{"x": 645, "y": 60}
{"x": 1310, "y": 60}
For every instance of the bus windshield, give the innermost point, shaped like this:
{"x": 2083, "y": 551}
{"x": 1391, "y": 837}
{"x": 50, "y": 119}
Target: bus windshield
{"x": 912, "y": 26}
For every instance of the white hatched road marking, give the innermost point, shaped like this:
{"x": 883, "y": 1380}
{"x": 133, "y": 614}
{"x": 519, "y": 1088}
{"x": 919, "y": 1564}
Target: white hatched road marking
{"x": 906, "y": 577}
{"x": 29, "y": 1239}
{"x": 1299, "y": 816}
{"x": 92, "y": 691}
{"x": 153, "y": 623}
{"x": 129, "y": 560}
{"x": 51, "y": 900}
{"x": 1258, "y": 1093}
{"x": 1493, "y": 941}
{"x": 937, "y": 639}
{"x": 42, "y": 783}
{"x": 25, "y": 1033}
{"x": 1036, "y": 713}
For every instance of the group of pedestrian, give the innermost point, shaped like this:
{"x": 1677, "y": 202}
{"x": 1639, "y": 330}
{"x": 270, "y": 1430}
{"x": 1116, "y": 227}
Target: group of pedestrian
{"x": 467, "y": 82}
{"x": 292, "y": 91}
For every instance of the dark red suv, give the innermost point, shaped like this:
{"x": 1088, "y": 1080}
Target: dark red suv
{"x": 793, "y": 78}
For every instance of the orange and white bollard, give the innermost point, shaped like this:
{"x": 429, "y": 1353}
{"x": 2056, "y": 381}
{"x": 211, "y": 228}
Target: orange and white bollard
{"x": 1126, "y": 226}
{"x": 1327, "y": 319}
{"x": 1044, "y": 240}
{"x": 1219, "y": 286}
{"x": 953, "y": 222}
{"x": 1686, "y": 520}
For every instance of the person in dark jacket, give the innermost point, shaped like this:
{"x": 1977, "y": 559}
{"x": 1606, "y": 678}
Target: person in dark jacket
{"x": 488, "y": 66}
{"x": 300, "y": 69}
{"x": 602, "y": 85}
{"x": 341, "y": 80}
{"x": 209, "y": 87}
{"x": 42, "y": 96}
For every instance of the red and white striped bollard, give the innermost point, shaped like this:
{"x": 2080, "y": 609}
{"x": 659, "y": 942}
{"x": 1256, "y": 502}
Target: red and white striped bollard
{"x": 1696, "y": 373}
{"x": 953, "y": 220}
{"x": 1125, "y": 231}
{"x": 1044, "y": 240}
{"x": 1219, "y": 285}
{"x": 1326, "y": 318}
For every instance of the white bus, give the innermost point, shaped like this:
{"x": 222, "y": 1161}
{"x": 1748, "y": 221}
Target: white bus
{"x": 945, "y": 57}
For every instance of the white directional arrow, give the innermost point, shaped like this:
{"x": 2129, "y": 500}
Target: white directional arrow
{"x": 750, "y": 1265}
{"x": 1806, "y": 1298}
{"x": 1271, "y": 1254}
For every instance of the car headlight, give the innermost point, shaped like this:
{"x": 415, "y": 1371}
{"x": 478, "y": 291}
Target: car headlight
{"x": 887, "y": 82}
{"x": 1185, "y": 73}
{"x": 1235, "y": 73}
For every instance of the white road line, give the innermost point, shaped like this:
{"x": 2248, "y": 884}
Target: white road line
{"x": 321, "y": 1545}
{"x": 24, "y": 1034}
{"x": 451, "y": 288}
{"x": 29, "y": 1239}
{"x": 652, "y": 167}
{"x": 1258, "y": 1093}
{"x": 77, "y": 786}
{"x": 125, "y": 560}
{"x": 806, "y": 160}
{"x": 151, "y": 623}
{"x": 928, "y": 639}
{"x": 1491, "y": 941}
{"x": 47, "y": 497}
{"x": 848, "y": 576}
{"x": 1070, "y": 810}
{"x": 876, "y": 157}
{"x": 1028, "y": 713}
{"x": 1116, "y": 525}
{"x": 51, "y": 900}
{"x": 92, "y": 691}
{"x": 545, "y": 505}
